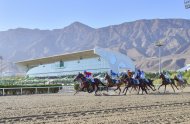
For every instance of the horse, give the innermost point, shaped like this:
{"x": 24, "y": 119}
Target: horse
{"x": 166, "y": 82}
{"x": 111, "y": 83}
{"x": 85, "y": 83}
{"x": 150, "y": 84}
{"x": 180, "y": 83}
{"x": 131, "y": 83}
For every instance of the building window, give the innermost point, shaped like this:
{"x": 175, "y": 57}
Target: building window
{"x": 61, "y": 64}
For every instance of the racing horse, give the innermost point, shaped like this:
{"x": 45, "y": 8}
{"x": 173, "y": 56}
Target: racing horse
{"x": 132, "y": 83}
{"x": 180, "y": 83}
{"x": 112, "y": 83}
{"x": 85, "y": 83}
{"x": 124, "y": 78}
{"x": 165, "y": 82}
{"x": 150, "y": 84}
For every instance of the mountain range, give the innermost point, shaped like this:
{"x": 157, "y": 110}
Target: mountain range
{"x": 136, "y": 39}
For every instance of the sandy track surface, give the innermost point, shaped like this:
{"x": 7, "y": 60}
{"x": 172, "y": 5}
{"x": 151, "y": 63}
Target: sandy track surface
{"x": 87, "y": 108}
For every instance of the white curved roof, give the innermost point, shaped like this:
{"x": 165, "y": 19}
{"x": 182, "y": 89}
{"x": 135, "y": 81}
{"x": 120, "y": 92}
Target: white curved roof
{"x": 116, "y": 60}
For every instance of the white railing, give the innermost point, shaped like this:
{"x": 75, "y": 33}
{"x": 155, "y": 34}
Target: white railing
{"x": 3, "y": 90}
{"x": 66, "y": 89}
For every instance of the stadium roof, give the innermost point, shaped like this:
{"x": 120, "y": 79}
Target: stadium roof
{"x": 116, "y": 60}
{"x": 63, "y": 57}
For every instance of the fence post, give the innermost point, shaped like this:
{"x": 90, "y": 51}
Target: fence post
{"x": 36, "y": 90}
{"x": 21, "y": 91}
{"x": 3, "y": 91}
{"x": 48, "y": 90}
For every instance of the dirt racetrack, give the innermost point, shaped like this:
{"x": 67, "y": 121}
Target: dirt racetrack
{"x": 154, "y": 108}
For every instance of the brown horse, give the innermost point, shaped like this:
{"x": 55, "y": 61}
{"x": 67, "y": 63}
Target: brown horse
{"x": 131, "y": 83}
{"x": 166, "y": 82}
{"x": 150, "y": 84}
{"x": 111, "y": 83}
{"x": 180, "y": 83}
{"x": 86, "y": 83}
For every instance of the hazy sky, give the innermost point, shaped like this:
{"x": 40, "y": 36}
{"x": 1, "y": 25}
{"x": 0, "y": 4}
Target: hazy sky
{"x": 52, "y": 14}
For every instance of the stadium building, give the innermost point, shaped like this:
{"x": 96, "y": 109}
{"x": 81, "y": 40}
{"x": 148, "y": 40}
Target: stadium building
{"x": 96, "y": 60}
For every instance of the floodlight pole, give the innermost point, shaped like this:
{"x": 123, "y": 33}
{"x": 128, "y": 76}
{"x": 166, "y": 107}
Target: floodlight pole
{"x": 159, "y": 44}
{"x": 1, "y": 67}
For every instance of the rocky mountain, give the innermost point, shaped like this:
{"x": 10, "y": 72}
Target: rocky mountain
{"x": 135, "y": 39}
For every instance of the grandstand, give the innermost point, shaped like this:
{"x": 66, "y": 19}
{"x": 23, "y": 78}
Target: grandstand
{"x": 97, "y": 60}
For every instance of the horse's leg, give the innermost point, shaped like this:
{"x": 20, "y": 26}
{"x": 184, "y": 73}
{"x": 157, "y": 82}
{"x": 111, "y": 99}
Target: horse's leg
{"x": 172, "y": 87}
{"x": 151, "y": 87}
{"x": 116, "y": 88}
{"x": 175, "y": 86}
{"x": 144, "y": 89}
{"x": 88, "y": 90}
{"x": 160, "y": 86}
{"x": 96, "y": 89}
{"x": 131, "y": 89}
{"x": 76, "y": 92}
{"x": 165, "y": 89}
{"x": 184, "y": 83}
{"x": 119, "y": 90}
{"x": 107, "y": 88}
{"x": 126, "y": 90}
{"x": 139, "y": 89}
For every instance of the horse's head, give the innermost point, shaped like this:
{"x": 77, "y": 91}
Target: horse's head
{"x": 162, "y": 76}
{"x": 175, "y": 78}
{"x": 106, "y": 76}
{"x": 79, "y": 76}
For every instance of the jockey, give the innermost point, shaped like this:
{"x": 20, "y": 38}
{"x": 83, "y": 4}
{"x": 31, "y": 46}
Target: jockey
{"x": 180, "y": 77}
{"x": 130, "y": 74}
{"x": 134, "y": 77}
{"x": 167, "y": 76}
{"x": 138, "y": 74}
{"x": 142, "y": 76}
{"x": 89, "y": 76}
{"x": 114, "y": 76}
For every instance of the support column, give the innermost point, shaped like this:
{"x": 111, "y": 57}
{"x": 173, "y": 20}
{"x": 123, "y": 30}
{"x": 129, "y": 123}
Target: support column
{"x": 3, "y": 91}
{"x": 36, "y": 90}
{"x": 21, "y": 91}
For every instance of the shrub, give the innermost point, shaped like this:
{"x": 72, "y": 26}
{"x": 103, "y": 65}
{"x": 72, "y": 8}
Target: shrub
{"x": 76, "y": 86}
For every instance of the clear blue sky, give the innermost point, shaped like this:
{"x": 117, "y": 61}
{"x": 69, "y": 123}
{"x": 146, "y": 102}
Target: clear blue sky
{"x": 53, "y": 14}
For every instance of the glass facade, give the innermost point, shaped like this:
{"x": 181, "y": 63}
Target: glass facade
{"x": 60, "y": 68}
